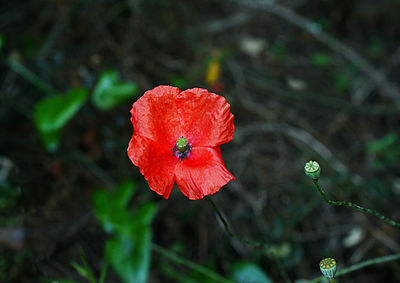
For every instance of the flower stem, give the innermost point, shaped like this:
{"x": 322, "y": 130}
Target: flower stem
{"x": 256, "y": 244}
{"x": 350, "y": 204}
{"x": 361, "y": 265}
{"x": 194, "y": 266}
{"x": 29, "y": 76}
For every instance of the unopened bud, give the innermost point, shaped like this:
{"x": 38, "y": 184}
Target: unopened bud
{"x": 312, "y": 169}
{"x": 328, "y": 267}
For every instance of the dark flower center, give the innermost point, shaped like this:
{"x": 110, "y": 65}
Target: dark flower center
{"x": 181, "y": 148}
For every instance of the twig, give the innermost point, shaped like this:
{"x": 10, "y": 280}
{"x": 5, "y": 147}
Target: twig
{"x": 361, "y": 265}
{"x": 346, "y": 51}
{"x": 55, "y": 32}
{"x": 96, "y": 170}
{"x": 29, "y": 76}
{"x": 304, "y": 137}
{"x": 368, "y": 86}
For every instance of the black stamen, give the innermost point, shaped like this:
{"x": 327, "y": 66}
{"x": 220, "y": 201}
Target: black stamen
{"x": 179, "y": 154}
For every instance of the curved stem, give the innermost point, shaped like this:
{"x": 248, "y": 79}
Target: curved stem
{"x": 266, "y": 247}
{"x": 361, "y": 265}
{"x": 350, "y": 204}
{"x": 194, "y": 266}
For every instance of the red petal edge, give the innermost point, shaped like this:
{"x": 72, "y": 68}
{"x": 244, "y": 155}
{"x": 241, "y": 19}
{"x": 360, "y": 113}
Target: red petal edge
{"x": 202, "y": 173}
{"x": 156, "y": 163}
{"x": 205, "y": 118}
{"x": 154, "y": 115}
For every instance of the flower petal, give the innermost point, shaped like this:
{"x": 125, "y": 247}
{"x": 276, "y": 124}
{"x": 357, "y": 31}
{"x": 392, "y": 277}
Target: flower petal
{"x": 156, "y": 163}
{"x": 202, "y": 173}
{"x": 205, "y": 117}
{"x": 155, "y": 115}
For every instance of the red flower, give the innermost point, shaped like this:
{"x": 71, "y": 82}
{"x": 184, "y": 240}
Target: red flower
{"x": 176, "y": 136}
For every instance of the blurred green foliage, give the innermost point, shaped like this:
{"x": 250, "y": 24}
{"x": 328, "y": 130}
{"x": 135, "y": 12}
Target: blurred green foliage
{"x": 386, "y": 151}
{"x": 344, "y": 78}
{"x": 110, "y": 91}
{"x": 86, "y": 272}
{"x": 129, "y": 249}
{"x": 320, "y": 59}
{"x": 278, "y": 50}
{"x": 52, "y": 113}
{"x": 247, "y": 272}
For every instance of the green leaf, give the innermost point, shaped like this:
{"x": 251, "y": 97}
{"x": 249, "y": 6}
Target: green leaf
{"x": 145, "y": 213}
{"x": 247, "y": 272}
{"x": 85, "y": 270}
{"x": 129, "y": 255}
{"x": 80, "y": 269}
{"x": 129, "y": 250}
{"x": 124, "y": 193}
{"x": 382, "y": 144}
{"x": 103, "y": 273}
{"x": 179, "y": 82}
{"x": 110, "y": 92}
{"x": 341, "y": 82}
{"x": 109, "y": 207}
{"x": 51, "y": 114}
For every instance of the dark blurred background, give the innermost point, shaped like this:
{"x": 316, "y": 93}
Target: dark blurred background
{"x": 305, "y": 79}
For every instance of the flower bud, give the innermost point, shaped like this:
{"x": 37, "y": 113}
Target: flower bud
{"x": 312, "y": 169}
{"x": 328, "y": 267}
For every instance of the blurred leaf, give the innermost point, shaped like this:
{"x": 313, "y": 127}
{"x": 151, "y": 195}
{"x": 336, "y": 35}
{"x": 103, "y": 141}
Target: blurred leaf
{"x": 124, "y": 193}
{"x": 129, "y": 250}
{"x": 179, "y": 82}
{"x": 110, "y": 207}
{"x": 80, "y": 269}
{"x": 129, "y": 255}
{"x": 110, "y": 92}
{"x": 344, "y": 78}
{"x": 247, "y": 272}
{"x": 103, "y": 273}
{"x": 387, "y": 151}
{"x": 51, "y": 114}
{"x": 278, "y": 50}
{"x": 145, "y": 213}
{"x": 382, "y": 144}
{"x": 341, "y": 82}
{"x": 320, "y": 59}
{"x": 85, "y": 270}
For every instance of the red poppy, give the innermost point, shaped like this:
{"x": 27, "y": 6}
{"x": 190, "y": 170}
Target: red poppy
{"x": 176, "y": 136}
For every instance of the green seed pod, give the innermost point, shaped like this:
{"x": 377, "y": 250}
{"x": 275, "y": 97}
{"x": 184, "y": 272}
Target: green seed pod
{"x": 181, "y": 144}
{"x": 312, "y": 169}
{"x": 328, "y": 267}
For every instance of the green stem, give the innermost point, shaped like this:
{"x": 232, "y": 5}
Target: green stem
{"x": 350, "y": 204}
{"x": 29, "y": 76}
{"x": 256, "y": 244}
{"x": 194, "y": 266}
{"x": 361, "y": 265}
